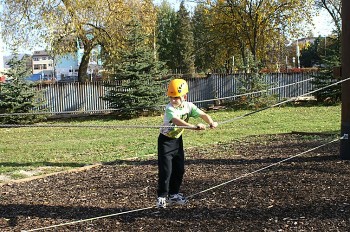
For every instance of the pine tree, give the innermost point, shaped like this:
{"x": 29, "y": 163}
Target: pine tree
{"x": 253, "y": 81}
{"x": 139, "y": 75}
{"x": 166, "y": 19}
{"x": 326, "y": 76}
{"x": 17, "y": 95}
{"x": 184, "y": 41}
{"x": 310, "y": 56}
{"x": 204, "y": 55}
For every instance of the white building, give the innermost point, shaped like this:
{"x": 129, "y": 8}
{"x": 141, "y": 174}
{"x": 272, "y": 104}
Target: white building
{"x": 2, "y": 65}
{"x": 43, "y": 63}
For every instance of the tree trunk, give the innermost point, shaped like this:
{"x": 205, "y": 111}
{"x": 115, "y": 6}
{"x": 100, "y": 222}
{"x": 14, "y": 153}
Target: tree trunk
{"x": 84, "y": 64}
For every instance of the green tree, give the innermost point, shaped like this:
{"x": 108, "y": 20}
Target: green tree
{"x": 330, "y": 61}
{"x": 204, "y": 43}
{"x": 138, "y": 74}
{"x": 166, "y": 19}
{"x": 184, "y": 42}
{"x": 17, "y": 95}
{"x": 253, "y": 81}
{"x": 309, "y": 56}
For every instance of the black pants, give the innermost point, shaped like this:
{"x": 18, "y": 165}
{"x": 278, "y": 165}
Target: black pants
{"x": 171, "y": 165}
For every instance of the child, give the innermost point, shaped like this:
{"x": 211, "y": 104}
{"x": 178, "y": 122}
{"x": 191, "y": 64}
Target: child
{"x": 170, "y": 146}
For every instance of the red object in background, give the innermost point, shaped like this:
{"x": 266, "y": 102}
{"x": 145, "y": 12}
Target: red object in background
{"x": 2, "y": 79}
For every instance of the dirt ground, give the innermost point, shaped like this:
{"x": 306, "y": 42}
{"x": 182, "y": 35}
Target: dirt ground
{"x": 245, "y": 185}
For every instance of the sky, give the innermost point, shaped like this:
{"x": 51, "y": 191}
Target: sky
{"x": 323, "y": 24}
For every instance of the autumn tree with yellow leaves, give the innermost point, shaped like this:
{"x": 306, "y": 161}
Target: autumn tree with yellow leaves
{"x": 225, "y": 32}
{"x": 253, "y": 28}
{"x": 60, "y": 24}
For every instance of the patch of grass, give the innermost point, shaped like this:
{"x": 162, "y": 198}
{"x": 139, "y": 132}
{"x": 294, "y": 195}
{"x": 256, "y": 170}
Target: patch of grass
{"x": 64, "y": 148}
{"x": 17, "y": 175}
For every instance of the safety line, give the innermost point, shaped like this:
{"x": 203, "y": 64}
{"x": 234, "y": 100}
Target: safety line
{"x": 88, "y": 219}
{"x": 144, "y": 126}
{"x": 280, "y": 103}
{"x": 91, "y": 126}
{"x": 261, "y": 169}
{"x": 186, "y": 127}
{"x": 190, "y": 196}
{"x": 250, "y": 93}
{"x": 214, "y": 187}
{"x": 161, "y": 106}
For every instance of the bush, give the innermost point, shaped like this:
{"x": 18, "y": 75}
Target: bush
{"x": 17, "y": 97}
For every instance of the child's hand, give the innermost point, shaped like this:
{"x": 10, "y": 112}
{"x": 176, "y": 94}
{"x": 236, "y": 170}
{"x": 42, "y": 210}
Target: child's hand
{"x": 200, "y": 126}
{"x": 213, "y": 125}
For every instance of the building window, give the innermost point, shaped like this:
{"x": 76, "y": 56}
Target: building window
{"x": 36, "y": 59}
{"x": 36, "y": 66}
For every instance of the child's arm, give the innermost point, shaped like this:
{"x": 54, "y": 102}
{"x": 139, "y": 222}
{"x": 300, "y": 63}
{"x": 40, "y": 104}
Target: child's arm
{"x": 199, "y": 126}
{"x": 180, "y": 122}
{"x": 209, "y": 120}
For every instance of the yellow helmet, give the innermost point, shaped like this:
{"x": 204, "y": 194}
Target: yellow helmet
{"x": 177, "y": 88}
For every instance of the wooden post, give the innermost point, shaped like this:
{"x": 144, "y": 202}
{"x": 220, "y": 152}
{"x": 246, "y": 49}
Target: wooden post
{"x": 345, "y": 88}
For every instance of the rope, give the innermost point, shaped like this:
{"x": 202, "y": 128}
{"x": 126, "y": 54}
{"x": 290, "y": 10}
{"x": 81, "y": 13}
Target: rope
{"x": 280, "y": 103}
{"x": 214, "y": 187}
{"x": 261, "y": 169}
{"x": 88, "y": 219}
{"x": 185, "y": 127}
{"x": 161, "y": 106}
{"x": 251, "y": 93}
{"x": 189, "y": 197}
{"x": 91, "y": 126}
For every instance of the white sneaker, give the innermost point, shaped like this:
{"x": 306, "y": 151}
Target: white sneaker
{"x": 161, "y": 202}
{"x": 178, "y": 199}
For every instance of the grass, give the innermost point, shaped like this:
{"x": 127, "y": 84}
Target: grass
{"x": 50, "y": 149}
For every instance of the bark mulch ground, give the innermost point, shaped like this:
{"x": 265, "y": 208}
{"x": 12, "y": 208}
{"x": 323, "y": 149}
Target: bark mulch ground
{"x": 307, "y": 193}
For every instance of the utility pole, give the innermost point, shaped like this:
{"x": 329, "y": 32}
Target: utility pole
{"x": 345, "y": 87}
{"x": 233, "y": 64}
{"x": 2, "y": 68}
{"x": 298, "y": 53}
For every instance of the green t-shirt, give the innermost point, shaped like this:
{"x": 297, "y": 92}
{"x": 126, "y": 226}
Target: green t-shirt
{"x": 184, "y": 112}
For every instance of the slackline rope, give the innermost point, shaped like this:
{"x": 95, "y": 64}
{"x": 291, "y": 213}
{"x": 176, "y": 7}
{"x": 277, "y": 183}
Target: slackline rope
{"x": 251, "y": 93}
{"x": 280, "y": 103}
{"x": 91, "y": 126}
{"x": 214, "y": 187}
{"x": 161, "y": 106}
{"x": 266, "y": 167}
{"x": 190, "y": 196}
{"x": 88, "y": 219}
{"x": 186, "y": 127}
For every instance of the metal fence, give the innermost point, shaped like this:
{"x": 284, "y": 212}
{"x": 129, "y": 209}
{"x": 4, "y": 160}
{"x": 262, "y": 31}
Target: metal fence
{"x": 218, "y": 86}
{"x": 87, "y": 97}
